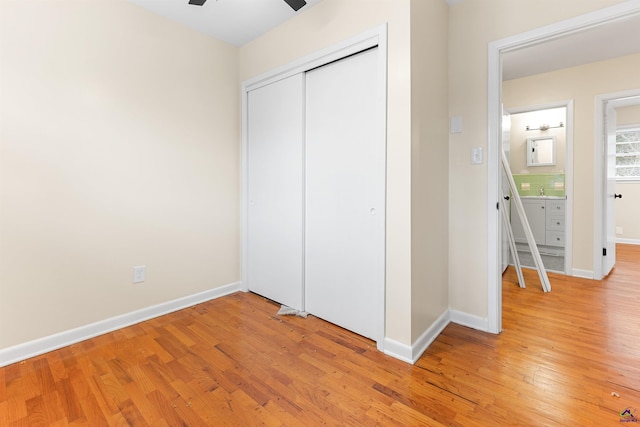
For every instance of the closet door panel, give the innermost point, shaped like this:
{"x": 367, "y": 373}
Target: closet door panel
{"x": 275, "y": 191}
{"x": 345, "y": 194}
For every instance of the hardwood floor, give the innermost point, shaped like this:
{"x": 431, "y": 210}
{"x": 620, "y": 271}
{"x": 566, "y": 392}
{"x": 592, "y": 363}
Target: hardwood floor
{"x": 232, "y": 361}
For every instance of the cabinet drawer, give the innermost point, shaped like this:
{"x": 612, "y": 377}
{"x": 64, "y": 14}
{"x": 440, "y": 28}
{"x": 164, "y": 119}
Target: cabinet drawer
{"x": 555, "y": 206}
{"x": 555, "y": 238}
{"x": 555, "y": 222}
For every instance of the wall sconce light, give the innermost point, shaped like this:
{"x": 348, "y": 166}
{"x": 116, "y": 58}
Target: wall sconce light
{"x": 544, "y": 127}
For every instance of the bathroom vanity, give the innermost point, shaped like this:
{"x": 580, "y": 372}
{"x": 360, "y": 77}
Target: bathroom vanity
{"x": 546, "y": 215}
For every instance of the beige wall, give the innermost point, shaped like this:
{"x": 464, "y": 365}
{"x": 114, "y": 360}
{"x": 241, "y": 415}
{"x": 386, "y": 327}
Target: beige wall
{"x": 472, "y": 25}
{"x": 628, "y": 207}
{"x": 330, "y": 22}
{"x": 627, "y": 116}
{"x": 119, "y": 146}
{"x": 429, "y": 173}
{"x": 519, "y": 135}
{"x": 111, "y": 157}
{"x": 582, "y": 84}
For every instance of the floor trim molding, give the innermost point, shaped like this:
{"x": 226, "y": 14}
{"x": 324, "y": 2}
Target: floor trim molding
{"x": 43, "y": 345}
{"x": 584, "y": 274}
{"x": 628, "y": 241}
{"x": 411, "y": 353}
{"x": 470, "y": 320}
{"x": 397, "y": 350}
{"x": 424, "y": 341}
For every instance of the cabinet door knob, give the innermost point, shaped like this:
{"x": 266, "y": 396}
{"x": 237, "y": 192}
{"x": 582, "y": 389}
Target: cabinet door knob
{"x": 617, "y": 196}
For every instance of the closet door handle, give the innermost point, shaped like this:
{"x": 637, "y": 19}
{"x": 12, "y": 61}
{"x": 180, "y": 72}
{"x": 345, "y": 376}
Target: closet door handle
{"x": 617, "y": 196}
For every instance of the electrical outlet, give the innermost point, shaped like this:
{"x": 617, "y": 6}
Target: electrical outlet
{"x": 618, "y": 230}
{"x": 139, "y": 273}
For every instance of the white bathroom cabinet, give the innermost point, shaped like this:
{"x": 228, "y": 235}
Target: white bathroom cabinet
{"x": 546, "y": 219}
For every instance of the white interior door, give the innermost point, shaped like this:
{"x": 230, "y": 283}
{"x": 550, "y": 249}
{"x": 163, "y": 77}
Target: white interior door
{"x": 504, "y": 183}
{"x": 345, "y": 193}
{"x": 609, "y": 211}
{"x": 275, "y": 191}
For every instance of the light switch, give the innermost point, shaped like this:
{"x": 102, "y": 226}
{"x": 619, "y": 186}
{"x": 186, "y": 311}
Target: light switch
{"x": 455, "y": 124}
{"x": 476, "y": 156}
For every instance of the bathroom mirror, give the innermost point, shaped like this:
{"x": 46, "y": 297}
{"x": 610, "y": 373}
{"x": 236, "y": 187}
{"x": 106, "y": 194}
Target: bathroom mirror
{"x": 541, "y": 151}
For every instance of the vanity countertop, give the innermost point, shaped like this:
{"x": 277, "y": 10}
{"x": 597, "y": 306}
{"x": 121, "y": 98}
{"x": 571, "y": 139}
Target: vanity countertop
{"x": 544, "y": 197}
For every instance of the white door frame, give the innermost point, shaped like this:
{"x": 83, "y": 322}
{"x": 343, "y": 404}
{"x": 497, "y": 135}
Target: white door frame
{"x": 495, "y": 50}
{"x": 568, "y": 173}
{"x": 374, "y": 37}
{"x": 616, "y": 99}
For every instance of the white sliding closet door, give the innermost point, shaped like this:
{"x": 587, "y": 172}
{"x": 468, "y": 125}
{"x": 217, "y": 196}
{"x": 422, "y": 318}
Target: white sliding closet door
{"x": 345, "y": 193}
{"x": 275, "y": 191}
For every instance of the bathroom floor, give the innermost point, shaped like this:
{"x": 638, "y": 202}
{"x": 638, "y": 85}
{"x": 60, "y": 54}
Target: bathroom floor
{"x": 551, "y": 263}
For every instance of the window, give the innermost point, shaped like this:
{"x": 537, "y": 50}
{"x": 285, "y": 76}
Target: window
{"x": 628, "y": 154}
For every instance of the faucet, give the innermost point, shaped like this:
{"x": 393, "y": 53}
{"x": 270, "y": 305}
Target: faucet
{"x": 542, "y": 190}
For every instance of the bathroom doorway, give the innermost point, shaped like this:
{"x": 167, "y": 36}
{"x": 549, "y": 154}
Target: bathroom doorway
{"x": 544, "y": 184}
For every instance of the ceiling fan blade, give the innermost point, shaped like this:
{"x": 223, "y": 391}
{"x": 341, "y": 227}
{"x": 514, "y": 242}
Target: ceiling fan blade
{"x": 197, "y": 2}
{"x": 295, "y": 4}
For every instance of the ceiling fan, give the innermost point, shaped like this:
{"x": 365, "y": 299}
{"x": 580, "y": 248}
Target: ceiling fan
{"x": 294, "y": 4}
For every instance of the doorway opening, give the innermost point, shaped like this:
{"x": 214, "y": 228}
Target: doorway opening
{"x": 544, "y": 184}
{"x": 604, "y": 255}
{"x": 496, "y": 50}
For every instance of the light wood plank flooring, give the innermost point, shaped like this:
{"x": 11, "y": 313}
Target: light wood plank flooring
{"x": 232, "y": 361}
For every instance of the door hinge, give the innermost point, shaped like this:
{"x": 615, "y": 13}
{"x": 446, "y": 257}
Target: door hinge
{"x": 498, "y": 205}
{"x": 604, "y": 251}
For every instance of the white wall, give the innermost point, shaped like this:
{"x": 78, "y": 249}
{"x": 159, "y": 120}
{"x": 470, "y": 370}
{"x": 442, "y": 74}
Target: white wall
{"x": 582, "y": 84}
{"x": 472, "y": 25}
{"x": 119, "y": 146}
{"x": 628, "y": 207}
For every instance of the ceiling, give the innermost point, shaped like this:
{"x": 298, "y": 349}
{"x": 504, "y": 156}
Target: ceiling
{"x": 240, "y": 21}
{"x": 595, "y": 44}
{"x": 234, "y": 21}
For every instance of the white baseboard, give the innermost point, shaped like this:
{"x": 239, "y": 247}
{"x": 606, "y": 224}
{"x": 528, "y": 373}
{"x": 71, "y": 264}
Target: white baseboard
{"x": 52, "y": 342}
{"x": 469, "y": 320}
{"x": 424, "y": 341}
{"x": 628, "y": 241}
{"x": 585, "y": 274}
{"x": 397, "y": 350}
{"x": 411, "y": 354}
